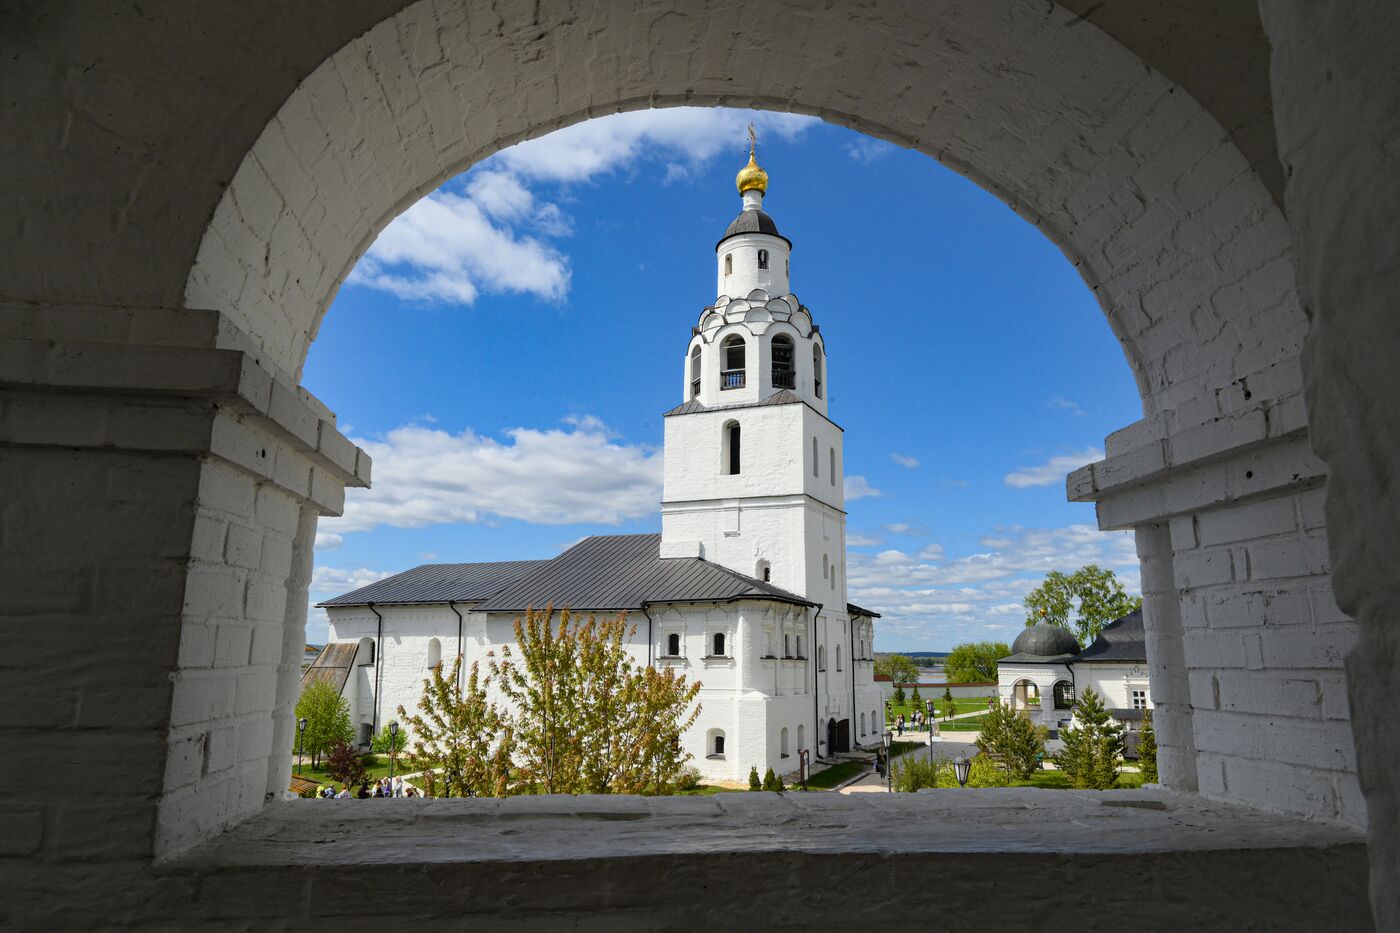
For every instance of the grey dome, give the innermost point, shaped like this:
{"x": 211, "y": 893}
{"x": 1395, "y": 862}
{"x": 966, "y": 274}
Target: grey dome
{"x": 755, "y": 221}
{"x": 1046, "y": 641}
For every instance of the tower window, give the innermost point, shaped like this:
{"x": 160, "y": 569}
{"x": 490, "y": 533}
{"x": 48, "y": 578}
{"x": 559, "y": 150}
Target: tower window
{"x": 832, "y": 474}
{"x": 729, "y": 264}
{"x": 729, "y": 456}
{"x": 673, "y": 645}
{"x": 825, "y": 567}
{"x": 838, "y": 657}
{"x": 695, "y": 372}
{"x": 816, "y": 464}
{"x": 732, "y": 353}
{"x": 784, "y": 371}
{"x": 817, "y": 370}
{"x": 762, "y": 260}
{"x": 763, "y": 571}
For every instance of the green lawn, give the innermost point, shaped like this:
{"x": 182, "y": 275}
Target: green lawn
{"x": 971, "y": 724}
{"x": 836, "y": 774}
{"x": 1056, "y": 780}
{"x": 963, "y": 704}
{"x": 707, "y": 790}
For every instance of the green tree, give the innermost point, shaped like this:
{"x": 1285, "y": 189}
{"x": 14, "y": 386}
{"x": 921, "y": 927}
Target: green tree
{"x": 898, "y": 667}
{"x": 1010, "y": 739}
{"x": 974, "y": 662}
{"x": 950, "y": 709}
{"x": 917, "y": 700}
{"x": 327, "y": 716}
{"x": 754, "y": 782}
{"x": 345, "y": 764}
{"x": 588, "y": 719}
{"x": 1147, "y": 749}
{"x": 898, "y": 695}
{"x": 1083, "y": 602}
{"x": 1092, "y": 746}
{"x": 771, "y": 781}
{"x": 384, "y": 742}
{"x": 460, "y": 738}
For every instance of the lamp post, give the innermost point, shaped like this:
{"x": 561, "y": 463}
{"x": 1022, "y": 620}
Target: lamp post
{"x": 889, "y": 762}
{"x": 961, "y": 768}
{"x": 301, "y": 741}
{"x": 931, "y": 726}
{"x": 393, "y": 748}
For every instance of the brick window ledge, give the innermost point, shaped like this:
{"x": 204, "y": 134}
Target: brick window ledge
{"x": 484, "y": 857}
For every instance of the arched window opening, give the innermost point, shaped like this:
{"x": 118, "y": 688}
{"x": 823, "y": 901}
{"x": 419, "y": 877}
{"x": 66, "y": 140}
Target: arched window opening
{"x": 831, "y": 474}
{"x": 784, "y": 363}
{"x": 729, "y": 264}
{"x": 732, "y": 357}
{"x": 862, "y": 724}
{"x": 434, "y": 653}
{"x": 817, "y": 370}
{"x": 714, "y": 744}
{"x": 695, "y": 372}
{"x": 673, "y": 645}
{"x": 825, "y": 567}
{"x": 763, "y": 259}
{"x": 787, "y": 645}
{"x": 730, "y": 459}
{"x": 833, "y": 576}
{"x": 1064, "y": 695}
{"x": 783, "y": 742}
{"x": 366, "y": 651}
{"x": 799, "y": 646}
{"x": 838, "y": 657}
{"x": 816, "y": 464}
{"x": 717, "y": 643}
{"x": 821, "y": 657}
{"x": 763, "y": 571}
{"x": 1025, "y": 695}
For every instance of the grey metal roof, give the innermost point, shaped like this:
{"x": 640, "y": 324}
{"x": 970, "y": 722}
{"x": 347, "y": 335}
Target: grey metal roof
{"x": 1124, "y": 639}
{"x": 780, "y": 397}
{"x": 1044, "y": 640}
{"x": 855, "y": 610}
{"x": 755, "y": 221}
{"x": 332, "y": 665}
{"x": 440, "y": 583}
{"x": 614, "y": 572}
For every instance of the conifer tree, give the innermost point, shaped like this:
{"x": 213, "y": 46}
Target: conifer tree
{"x": 754, "y": 782}
{"x": 898, "y": 695}
{"x": 770, "y": 780}
{"x": 917, "y": 700}
{"x": 1010, "y": 739}
{"x": 1147, "y": 749}
{"x": 1093, "y": 746}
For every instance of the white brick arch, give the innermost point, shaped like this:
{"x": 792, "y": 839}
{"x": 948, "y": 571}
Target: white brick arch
{"x": 1143, "y": 190}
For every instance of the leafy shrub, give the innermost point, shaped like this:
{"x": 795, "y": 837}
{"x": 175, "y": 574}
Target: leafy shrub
{"x": 772, "y": 782}
{"x": 345, "y": 765}
{"x": 754, "y": 782}
{"x": 913, "y": 772}
{"x": 689, "y": 778}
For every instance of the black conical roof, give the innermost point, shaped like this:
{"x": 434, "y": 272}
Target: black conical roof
{"x": 755, "y": 221}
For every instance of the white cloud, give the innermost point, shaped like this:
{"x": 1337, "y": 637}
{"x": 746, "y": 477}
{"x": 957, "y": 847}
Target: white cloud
{"x": 338, "y": 580}
{"x": 931, "y": 600}
{"x": 904, "y": 528}
{"x": 856, "y": 539}
{"x": 485, "y": 232}
{"x": 1053, "y": 470}
{"x": 425, "y": 476}
{"x": 679, "y": 137}
{"x": 328, "y": 540}
{"x": 446, "y": 248}
{"x": 907, "y": 462}
{"x": 866, "y": 149}
{"x": 858, "y": 487}
{"x": 1060, "y": 403}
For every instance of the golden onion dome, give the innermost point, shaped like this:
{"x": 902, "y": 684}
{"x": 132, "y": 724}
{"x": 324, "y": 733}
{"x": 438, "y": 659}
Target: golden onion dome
{"x": 751, "y": 177}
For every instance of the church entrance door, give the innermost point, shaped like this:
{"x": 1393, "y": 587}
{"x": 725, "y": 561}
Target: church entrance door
{"x": 843, "y": 736}
{"x": 831, "y": 737}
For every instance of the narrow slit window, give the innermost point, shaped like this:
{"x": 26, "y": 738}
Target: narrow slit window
{"x": 729, "y": 264}
{"x": 817, "y": 371}
{"x": 695, "y": 372}
{"x": 732, "y": 448}
{"x": 718, "y": 645}
{"x": 831, "y": 474}
{"x": 762, "y": 263}
{"x": 816, "y": 464}
{"x": 673, "y": 645}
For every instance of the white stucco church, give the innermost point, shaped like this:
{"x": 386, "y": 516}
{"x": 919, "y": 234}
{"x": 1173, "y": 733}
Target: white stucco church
{"x": 744, "y": 589}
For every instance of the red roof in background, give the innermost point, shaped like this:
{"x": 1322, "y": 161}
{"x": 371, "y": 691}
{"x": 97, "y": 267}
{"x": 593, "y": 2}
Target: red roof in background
{"x": 883, "y": 677}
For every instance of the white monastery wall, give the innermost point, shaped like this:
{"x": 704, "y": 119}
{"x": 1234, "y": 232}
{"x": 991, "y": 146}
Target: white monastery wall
{"x": 1114, "y": 682}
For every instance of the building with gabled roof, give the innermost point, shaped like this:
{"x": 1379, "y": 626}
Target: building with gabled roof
{"x": 744, "y": 588}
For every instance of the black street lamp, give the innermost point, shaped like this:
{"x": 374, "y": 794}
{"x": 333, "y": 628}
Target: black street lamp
{"x": 393, "y": 747}
{"x": 961, "y": 768}
{"x": 889, "y": 762}
{"x": 301, "y": 742}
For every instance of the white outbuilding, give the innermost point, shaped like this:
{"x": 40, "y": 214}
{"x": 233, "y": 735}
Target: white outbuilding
{"x": 1046, "y": 671}
{"x": 744, "y": 589}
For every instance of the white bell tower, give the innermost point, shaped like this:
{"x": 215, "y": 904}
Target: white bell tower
{"x": 753, "y": 465}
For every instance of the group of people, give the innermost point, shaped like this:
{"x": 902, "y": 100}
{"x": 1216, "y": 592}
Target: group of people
{"x": 916, "y": 721}
{"x": 383, "y": 787}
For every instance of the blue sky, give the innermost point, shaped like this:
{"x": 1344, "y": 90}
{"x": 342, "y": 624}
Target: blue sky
{"x": 507, "y": 346}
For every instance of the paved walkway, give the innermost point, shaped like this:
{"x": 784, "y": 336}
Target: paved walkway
{"x": 945, "y": 748}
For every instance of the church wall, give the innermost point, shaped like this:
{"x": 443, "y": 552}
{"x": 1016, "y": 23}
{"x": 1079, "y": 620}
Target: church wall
{"x": 772, "y": 458}
{"x": 743, "y": 249}
{"x": 1114, "y": 682}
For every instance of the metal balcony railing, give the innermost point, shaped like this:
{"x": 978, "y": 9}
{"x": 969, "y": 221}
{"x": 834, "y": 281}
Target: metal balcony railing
{"x": 784, "y": 379}
{"x": 731, "y": 379}
{"x": 694, "y": 388}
